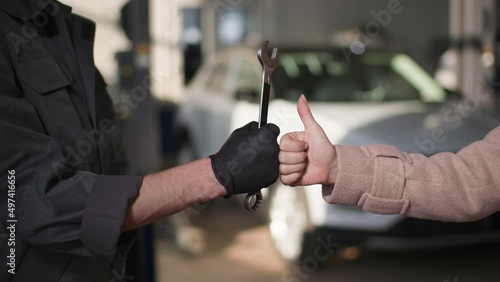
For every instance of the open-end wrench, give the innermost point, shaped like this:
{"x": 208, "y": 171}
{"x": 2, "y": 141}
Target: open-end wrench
{"x": 268, "y": 66}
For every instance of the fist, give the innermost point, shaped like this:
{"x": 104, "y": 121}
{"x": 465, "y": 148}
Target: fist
{"x": 307, "y": 157}
{"x": 248, "y": 161}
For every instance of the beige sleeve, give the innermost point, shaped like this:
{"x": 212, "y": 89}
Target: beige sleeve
{"x": 450, "y": 187}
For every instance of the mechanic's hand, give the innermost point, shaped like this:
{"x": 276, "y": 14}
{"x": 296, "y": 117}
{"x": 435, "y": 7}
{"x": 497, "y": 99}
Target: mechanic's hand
{"x": 248, "y": 161}
{"x": 307, "y": 157}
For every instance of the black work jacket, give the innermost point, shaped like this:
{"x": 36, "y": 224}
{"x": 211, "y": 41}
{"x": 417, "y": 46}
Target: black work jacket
{"x": 61, "y": 142}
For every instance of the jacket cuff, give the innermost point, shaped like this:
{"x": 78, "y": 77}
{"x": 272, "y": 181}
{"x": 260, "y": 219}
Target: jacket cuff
{"x": 370, "y": 177}
{"x": 354, "y": 176}
{"x": 105, "y": 212}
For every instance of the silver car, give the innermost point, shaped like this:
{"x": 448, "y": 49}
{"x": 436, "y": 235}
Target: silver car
{"x": 378, "y": 96}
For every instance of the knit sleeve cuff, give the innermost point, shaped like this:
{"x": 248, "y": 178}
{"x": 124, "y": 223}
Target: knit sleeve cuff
{"x": 369, "y": 177}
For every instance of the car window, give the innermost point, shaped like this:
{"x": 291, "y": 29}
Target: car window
{"x": 217, "y": 78}
{"x": 372, "y": 77}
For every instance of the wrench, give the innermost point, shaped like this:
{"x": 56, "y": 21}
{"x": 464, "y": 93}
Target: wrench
{"x": 268, "y": 66}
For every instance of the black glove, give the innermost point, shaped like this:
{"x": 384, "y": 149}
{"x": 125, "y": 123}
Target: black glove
{"x": 248, "y": 161}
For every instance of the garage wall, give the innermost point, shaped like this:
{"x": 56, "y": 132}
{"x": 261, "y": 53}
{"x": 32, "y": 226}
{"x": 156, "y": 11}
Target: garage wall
{"x": 414, "y": 27}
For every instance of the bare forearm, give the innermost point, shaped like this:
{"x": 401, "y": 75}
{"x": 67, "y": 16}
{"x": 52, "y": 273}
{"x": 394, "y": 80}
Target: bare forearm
{"x": 167, "y": 192}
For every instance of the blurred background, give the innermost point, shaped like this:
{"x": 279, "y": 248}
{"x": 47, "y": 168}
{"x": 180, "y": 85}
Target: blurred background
{"x": 421, "y": 75}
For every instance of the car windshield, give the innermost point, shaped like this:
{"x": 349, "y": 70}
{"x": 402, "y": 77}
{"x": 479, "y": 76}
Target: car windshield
{"x": 337, "y": 77}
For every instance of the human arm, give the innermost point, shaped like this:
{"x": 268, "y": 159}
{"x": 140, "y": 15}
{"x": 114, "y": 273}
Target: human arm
{"x": 85, "y": 211}
{"x": 62, "y": 206}
{"x": 167, "y": 192}
{"x": 382, "y": 179}
{"x": 55, "y": 191}
{"x": 449, "y": 187}
{"x": 247, "y": 162}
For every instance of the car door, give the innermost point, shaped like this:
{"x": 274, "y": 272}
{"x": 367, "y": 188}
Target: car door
{"x": 246, "y": 92}
{"x": 214, "y": 106}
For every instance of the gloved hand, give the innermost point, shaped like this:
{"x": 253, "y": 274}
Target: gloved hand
{"x": 248, "y": 161}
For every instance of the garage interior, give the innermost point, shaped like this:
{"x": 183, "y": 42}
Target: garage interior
{"x": 161, "y": 45}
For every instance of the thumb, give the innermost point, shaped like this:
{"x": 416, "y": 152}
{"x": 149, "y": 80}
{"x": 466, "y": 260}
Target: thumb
{"x": 305, "y": 113}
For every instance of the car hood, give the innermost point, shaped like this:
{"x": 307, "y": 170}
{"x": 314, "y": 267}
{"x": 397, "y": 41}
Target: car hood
{"x": 412, "y": 126}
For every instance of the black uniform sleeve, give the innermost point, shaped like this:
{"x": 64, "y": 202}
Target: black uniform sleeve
{"x": 58, "y": 209}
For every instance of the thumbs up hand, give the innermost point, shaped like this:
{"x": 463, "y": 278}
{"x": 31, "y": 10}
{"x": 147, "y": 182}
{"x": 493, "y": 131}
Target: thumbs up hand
{"x": 307, "y": 157}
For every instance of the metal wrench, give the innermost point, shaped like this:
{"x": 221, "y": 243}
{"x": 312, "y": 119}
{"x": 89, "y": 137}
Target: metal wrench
{"x": 268, "y": 66}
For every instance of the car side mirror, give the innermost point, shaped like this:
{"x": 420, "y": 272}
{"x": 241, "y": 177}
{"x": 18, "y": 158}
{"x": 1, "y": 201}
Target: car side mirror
{"x": 453, "y": 95}
{"x": 247, "y": 94}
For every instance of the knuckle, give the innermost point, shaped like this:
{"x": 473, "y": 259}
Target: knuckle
{"x": 283, "y": 169}
{"x": 282, "y": 157}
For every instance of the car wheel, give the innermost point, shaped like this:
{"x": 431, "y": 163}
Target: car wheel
{"x": 295, "y": 238}
{"x": 289, "y": 221}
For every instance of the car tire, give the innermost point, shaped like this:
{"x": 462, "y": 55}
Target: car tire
{"x": 293, "y": 235}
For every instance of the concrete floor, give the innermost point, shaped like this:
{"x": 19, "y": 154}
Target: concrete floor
{"x": 239, "y": 249}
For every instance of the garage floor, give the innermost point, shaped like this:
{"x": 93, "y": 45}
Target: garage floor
{"x": 239, "y": 249}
